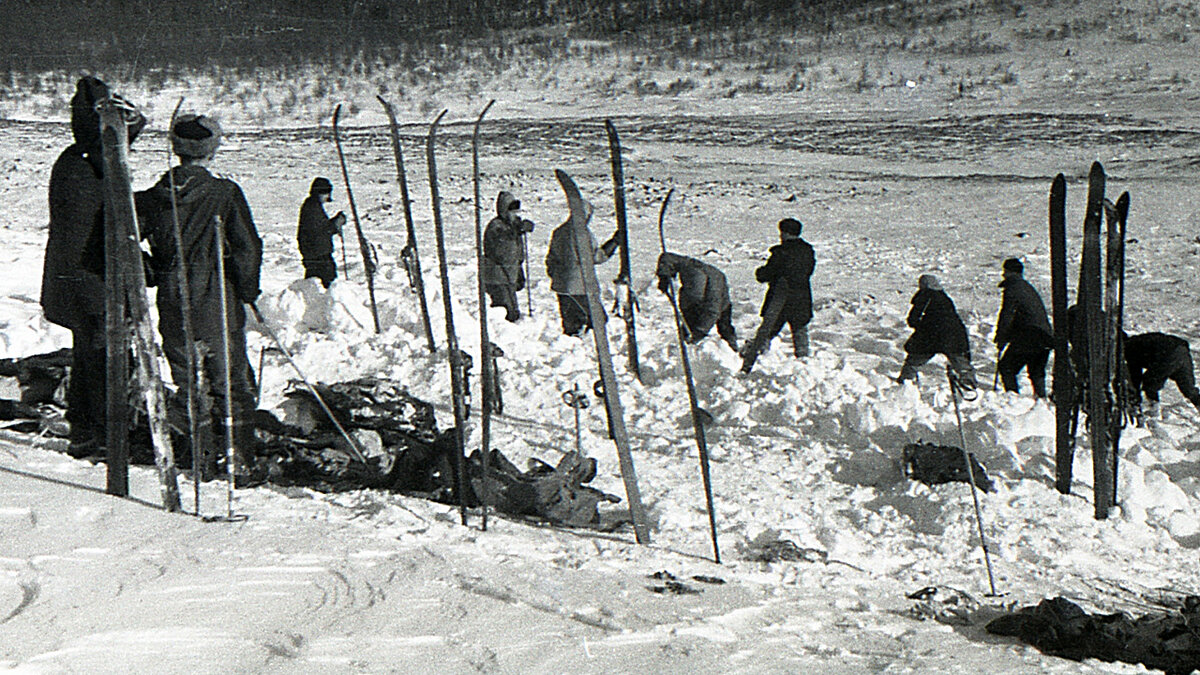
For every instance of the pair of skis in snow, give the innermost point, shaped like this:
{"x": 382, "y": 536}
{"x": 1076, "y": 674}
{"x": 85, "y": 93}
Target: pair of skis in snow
{"x": 1103, "y": 389}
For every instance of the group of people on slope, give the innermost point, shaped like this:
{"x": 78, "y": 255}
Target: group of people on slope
{"x": 216, "y": 233}
{"x": 213, "y": 216}
{"x": 1024, "y": 340}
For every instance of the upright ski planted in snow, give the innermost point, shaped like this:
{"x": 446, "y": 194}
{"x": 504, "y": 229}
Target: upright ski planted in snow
{"x": 1065, "y": 405}
{"x": 127, "y": 279}
{"x": 412, "y": 261}
{"x": 1098, "y": 375}
{"x": 693, "y": 399}
{"x": 364, "y": 247}
{"x": 1121, "y": 401}
{"x": 624, "y": 276}
{"x": 487, "y": 357}
{"x": 458, "y": 378}
{"x": 612, "y": 397}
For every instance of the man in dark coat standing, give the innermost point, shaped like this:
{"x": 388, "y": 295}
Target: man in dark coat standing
{"x": 504, "y": 255}
{"x": 789, "y": 295}
{"x": 73, "y": 296}
{"x": 937, "y": 329}
{"x": 1023, "y": 334}
{"x": 315, "y": 232}
{"x": 209, "y": 207}
{"x": 566, "y": 277}
{"x": 703, "y": 296}
{"x": 1153, "y": 359}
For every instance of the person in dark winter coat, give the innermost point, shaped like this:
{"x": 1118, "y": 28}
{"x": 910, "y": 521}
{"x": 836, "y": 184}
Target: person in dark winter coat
{"x": 937, "y": 329}
{"x": 703, "y": 296}
{"x": 209, "y": 207}
{"x": 1154, "y": 358}
{"x": 504, "y": 255}
{"x": 1023, "y": 334}
{"x": 566, "y": 277}
{"x": 73, "y": 296}
{"x": 315, "y": 232}
{"x": 789, "y": 295}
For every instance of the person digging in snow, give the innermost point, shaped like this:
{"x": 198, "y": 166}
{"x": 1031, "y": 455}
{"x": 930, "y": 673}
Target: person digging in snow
{"x": 504, "y": 255}
{"x": 937, "y": 329}
{"x": 209, "y": 207}
{"x": 72, "y": 295}
{"x": 703, "y": 296}
{"x": 789, "y": 294}
{"x": 1153, "y": 359}
{"x": 1023, "y": 334}
{"x": 315, "y": 232}
{"x": 566, "y": 277}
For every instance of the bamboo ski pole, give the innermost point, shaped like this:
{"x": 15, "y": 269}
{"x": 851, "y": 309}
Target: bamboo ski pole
{"x": 227, "y": 388}
{"x": 486, "y": 357}
{"x": 955, "y": 391}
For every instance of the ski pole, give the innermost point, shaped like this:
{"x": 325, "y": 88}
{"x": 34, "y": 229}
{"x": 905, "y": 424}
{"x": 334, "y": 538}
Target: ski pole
{"x": 528, "y": 280}
{"x": 354, "y": 447}
{"x": 226, "y": 386}
{"x": 996, "y": 376}
{"x": 189, "y": 336}
{"x": 955, "y": 390}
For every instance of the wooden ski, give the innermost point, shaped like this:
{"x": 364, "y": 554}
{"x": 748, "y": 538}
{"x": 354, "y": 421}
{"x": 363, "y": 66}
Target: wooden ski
{"x": 1065, "y": 405}
{"x": 412, "y": 261}
{"x": 486, "y": 356}
{"x": 1098, "y": 375}
{"x": 693, "y": 398}
{"x": 364, "y": 247}
{"x": 127, "y": 279}
{"x": 612, "y": 397}
{"x": 624, "y": 276}
{"x": 458, "y": 378}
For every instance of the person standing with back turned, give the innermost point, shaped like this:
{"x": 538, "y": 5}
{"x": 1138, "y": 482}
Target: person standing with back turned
{"x": 789, "y": 294}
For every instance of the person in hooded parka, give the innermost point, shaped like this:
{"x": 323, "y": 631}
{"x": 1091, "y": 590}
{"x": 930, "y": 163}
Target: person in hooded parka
{"x": 209, "y": 207}
{"x": 703, "y": 296}
{"x": 504, "y": 255}
{"x": 566, "y": 276}
{"x": 937, "y": 329}
{"x": 72, "y": 295}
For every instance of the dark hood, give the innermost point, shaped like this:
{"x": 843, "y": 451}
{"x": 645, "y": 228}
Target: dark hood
{"x": 503, "y": 201}
{"x": 85, "y": 121}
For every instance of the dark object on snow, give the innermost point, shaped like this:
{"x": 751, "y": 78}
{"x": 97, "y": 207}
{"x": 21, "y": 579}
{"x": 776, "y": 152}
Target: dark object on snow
{"x": 769, "y": 547}
{"x": 413, "y": 456}
{"x": 38, "y": 375}
{"x": 1168, "y": 641}
{"x": 671, "y": 586}
{"x": 936, "y": 464}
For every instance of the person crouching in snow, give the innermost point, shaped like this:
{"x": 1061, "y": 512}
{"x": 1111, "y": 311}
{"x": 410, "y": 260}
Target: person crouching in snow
{"x": 208, "y": 208}
{"x": 315, "y": 232}
{"x": 1153, "y": 359}
{"x": 566, "y": 277}
{"x": 789, "y": 295}
{"x": 703, "y": 296}
{"x": 937, "y": 329}
{"x": 504, "y": 255}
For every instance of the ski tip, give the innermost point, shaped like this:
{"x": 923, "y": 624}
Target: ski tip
{"x": 1097, "y": 170}
{"x": 337, "y": 111}
{"x": 1123, "y": 201}
{"x": 1060, "y": 181}
{"x": 383, "y": 101}
{"x": 439, "y": 117}
{"x": 486, "y": 108}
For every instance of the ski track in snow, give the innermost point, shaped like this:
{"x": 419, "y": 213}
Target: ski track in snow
{"x": 369, "y": 581}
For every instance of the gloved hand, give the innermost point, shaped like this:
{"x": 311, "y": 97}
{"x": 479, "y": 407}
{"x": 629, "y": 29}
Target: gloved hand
{"x": 338, "y": 221}
{"x": 611, "y": 245}
{"x": 524, "y": 226}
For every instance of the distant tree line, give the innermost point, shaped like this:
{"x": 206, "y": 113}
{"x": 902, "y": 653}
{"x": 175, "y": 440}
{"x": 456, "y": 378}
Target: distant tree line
{"x": 42, "y": 34}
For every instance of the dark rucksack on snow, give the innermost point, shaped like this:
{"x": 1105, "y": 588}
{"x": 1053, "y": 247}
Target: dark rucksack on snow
{"x": 936, "y": 464}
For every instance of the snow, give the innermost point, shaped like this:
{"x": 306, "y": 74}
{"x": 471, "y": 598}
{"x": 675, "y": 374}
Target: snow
{"x": 806, "y": 450}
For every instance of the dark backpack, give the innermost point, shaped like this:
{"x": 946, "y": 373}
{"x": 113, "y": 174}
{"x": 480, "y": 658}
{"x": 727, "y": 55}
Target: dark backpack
{"x": 936, "y": 464}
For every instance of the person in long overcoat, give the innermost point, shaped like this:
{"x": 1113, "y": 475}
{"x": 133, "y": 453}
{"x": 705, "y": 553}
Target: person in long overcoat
{"x": 504, "y": 255}
{"x": 703, "y": 296}
{"x": 72, "y": 295}
{"x": 209, "y": 207}
{"x": 937, "y": 329}
{"x": 789, "y": 293}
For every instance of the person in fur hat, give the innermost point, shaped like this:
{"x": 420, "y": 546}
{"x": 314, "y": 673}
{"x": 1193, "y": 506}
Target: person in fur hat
{"x": 208, "y": 207}
{"x": 566, "y": 277}
{"x": 1023, "y": 333}
{"x": 72, "y": 294}
{"x": 937, "y": 329}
